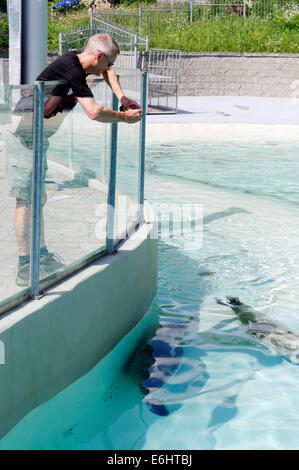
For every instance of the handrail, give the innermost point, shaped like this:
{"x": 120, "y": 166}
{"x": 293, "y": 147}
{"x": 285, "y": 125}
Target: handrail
{"x": 36, "y": 198}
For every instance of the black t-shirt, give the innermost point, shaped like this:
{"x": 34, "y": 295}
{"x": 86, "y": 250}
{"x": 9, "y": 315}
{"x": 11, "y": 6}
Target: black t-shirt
{"x": 67, "y": 67}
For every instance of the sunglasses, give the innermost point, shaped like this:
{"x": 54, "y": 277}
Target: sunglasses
{"x": 109, "y": 63}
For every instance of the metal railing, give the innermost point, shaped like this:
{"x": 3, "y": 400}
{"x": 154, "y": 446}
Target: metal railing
{"x": 32, "y": 113}
{"x": 131, "y": 44}
{"x": 162, "y": 66}
{"x": 74, "y": 40}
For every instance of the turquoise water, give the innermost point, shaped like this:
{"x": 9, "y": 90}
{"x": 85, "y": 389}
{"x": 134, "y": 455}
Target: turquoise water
{"x": 212, "y": 385}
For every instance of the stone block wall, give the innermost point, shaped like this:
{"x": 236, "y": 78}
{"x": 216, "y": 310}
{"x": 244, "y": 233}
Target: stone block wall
{"x": 238, "y": 74}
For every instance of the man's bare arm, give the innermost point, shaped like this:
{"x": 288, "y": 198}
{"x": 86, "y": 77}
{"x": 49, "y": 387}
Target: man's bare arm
{"x": 111, "y": 79}
{"x": 99, "y": 113}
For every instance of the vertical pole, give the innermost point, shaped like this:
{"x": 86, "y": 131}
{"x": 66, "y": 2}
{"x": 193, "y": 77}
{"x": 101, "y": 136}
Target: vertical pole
{"x": 60, "y": 43}
{"x": 142, "y": 148}
{"x": 36, "y": 198}
{"x": 144, "y": 59}
{"x": 91, "y": 20}
{"x": 112, "y": 181}
{"x": 244, "y": 8}
{"x": 136, "y": 50}
{"x": 34, "y": 38}
{"x": 14, "y": 9}
{"x": 2, "y": 72}
{"x": 191, "y": 11}
{"x": 70, "y": 146}
{"x": 140, "y": 20}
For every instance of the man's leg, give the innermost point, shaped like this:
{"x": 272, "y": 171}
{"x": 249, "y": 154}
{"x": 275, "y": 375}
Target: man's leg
{"x": 22, "y": 228}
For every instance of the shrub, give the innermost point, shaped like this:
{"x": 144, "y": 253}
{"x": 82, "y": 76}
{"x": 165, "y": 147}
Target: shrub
{"x": 3, "y": 6}
{"x": 4, "y": 32}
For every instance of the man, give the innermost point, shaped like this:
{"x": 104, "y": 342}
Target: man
{"x": 97, "y": 58}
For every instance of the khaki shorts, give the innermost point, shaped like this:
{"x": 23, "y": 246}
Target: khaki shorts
{"x": 19, "y": 163}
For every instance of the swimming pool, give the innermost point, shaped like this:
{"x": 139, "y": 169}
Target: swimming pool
{"x": 218, "y": 388}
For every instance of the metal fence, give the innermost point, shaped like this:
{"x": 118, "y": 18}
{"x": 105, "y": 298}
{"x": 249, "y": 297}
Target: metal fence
{"x": 162, "y": 66}
{"x": 146, "y": 20}
{"x": 131, "y": 44}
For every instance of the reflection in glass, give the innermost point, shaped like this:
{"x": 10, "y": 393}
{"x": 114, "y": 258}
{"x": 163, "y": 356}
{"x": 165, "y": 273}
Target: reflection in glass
{"x": 16, "y": 141}
{"x": 76, "y": 185}
{"x": 75, "y": 180}
{"x": 128, "y": 161}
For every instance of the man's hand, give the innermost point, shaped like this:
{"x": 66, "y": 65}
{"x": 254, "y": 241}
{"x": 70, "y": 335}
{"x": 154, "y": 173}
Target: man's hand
{"x": 132, "y": 115}
{"x": 127, "y": 104}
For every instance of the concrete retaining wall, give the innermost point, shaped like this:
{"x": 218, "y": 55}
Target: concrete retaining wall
{"x": 51, "y": 342}
{"x": 236, "y": 74}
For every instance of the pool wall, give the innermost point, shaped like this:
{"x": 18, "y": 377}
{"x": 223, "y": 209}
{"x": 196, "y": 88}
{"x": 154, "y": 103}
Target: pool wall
{"x": 51, "y": 342}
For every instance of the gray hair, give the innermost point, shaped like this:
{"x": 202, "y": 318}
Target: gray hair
{"x": 102, "y": 42}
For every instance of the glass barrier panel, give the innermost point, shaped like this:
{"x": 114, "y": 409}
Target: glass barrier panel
{"x": 16, "y": 159}
{"x": 76, "y": 185}
{"x": 127, "y": 190}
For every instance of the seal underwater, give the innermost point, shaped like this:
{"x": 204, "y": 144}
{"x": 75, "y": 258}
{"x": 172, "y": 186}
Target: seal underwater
{"x": 154, "y": 365}
{"x": 269, "y": 332}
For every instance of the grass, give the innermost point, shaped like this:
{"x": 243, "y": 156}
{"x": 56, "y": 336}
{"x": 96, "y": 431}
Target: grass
{"x": 230, "y": 34}
{"x": 268, "y": 34}
{"x": 63, "y": 23}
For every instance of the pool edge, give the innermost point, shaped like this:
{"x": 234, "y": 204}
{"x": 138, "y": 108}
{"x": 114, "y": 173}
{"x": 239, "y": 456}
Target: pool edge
{"x": 51, "y": 342}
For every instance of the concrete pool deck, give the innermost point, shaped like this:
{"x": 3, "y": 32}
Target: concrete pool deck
{"x": 228, "y": 118}
{"x": 74, "y": 216}
{"x": 232, "y": 110}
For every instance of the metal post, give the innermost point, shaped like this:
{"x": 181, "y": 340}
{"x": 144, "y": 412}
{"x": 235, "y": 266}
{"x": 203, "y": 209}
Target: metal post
{"x": 191, "y": 11}
{"x": 142, "y": 149}
{"x": 91, "y": 20}
{"x": 60, "y": 43}
{"x": 140, "y": 13}
{"x": 36, "y": 198}
{"x": 70, "y": 146}
{"x": 34, "y": 39}
{"x": 112, "y": 181}
{"x": 244, "y": 8}
{"x": 14, "y": 9}
{"x": 136, "y": 50}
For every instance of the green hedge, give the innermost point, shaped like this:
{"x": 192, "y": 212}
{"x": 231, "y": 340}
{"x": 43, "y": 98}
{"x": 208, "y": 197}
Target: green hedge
{"x": 4, "y": 32}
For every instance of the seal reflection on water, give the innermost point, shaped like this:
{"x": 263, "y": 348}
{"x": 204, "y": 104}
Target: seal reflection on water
{"x": 269, "y": 332}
